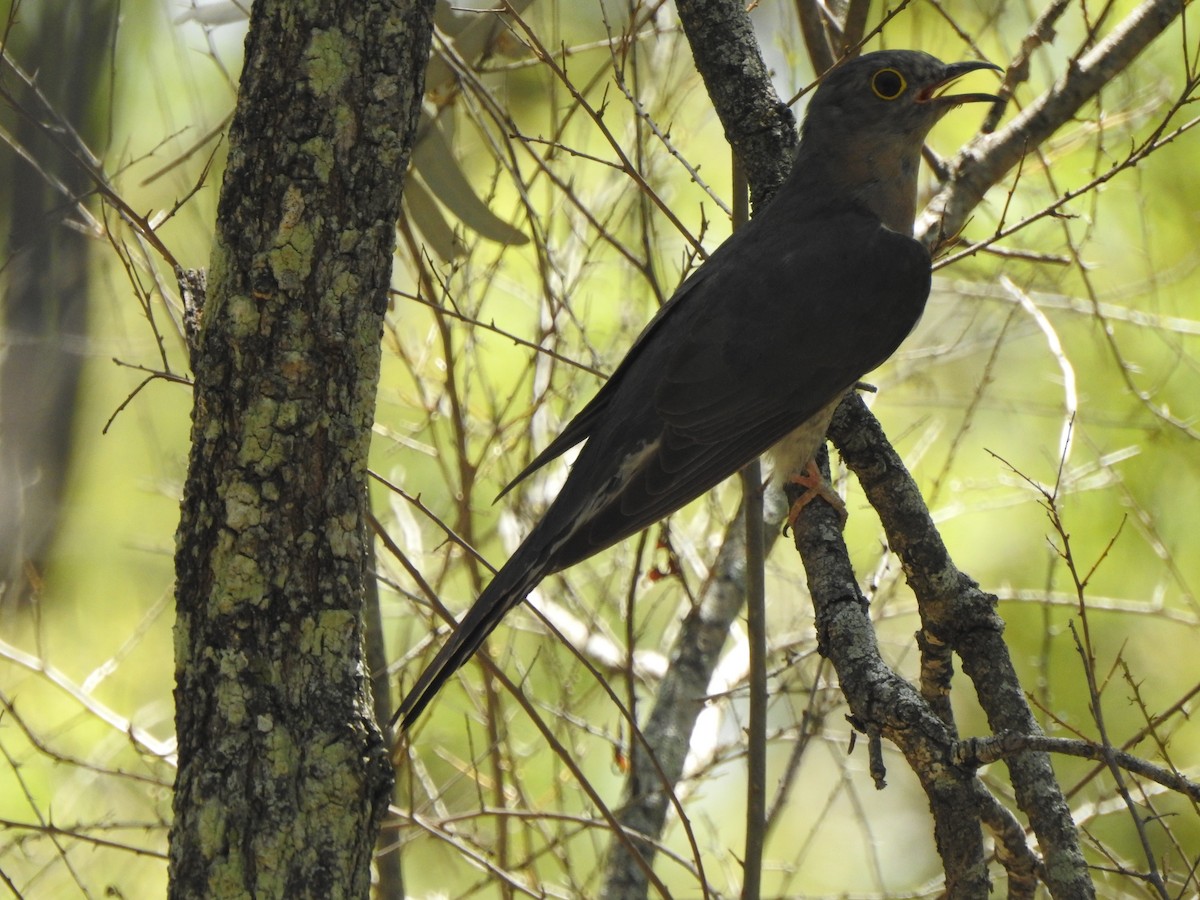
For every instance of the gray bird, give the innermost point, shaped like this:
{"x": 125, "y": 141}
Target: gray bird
{"x": 758, "y": 346}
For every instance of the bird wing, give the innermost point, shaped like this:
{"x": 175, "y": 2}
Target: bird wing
{"x": 808, "y": 319}
{"x": 779, "y": 328}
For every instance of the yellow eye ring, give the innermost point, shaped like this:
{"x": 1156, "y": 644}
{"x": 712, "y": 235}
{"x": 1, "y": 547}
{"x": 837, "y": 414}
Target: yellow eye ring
{"x": 888, "y": 84}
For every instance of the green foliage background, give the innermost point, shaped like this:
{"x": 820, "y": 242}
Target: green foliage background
{"x": 975, "y": 402}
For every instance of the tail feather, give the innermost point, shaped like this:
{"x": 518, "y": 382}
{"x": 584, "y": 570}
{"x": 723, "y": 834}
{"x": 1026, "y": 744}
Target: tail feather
{"x": 507, "y": 589}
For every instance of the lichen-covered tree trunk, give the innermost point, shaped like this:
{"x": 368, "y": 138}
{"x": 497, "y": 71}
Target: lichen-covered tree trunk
{"x": 283, "y": 775}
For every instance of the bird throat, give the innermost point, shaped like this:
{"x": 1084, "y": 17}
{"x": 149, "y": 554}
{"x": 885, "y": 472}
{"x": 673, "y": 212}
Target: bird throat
{"x": 883, "y": 180}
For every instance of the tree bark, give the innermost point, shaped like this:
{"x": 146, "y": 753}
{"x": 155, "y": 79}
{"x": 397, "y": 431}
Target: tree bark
{"x": 283, "y": 774}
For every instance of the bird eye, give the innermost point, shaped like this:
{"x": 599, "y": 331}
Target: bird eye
{"x": 888, "y": 84}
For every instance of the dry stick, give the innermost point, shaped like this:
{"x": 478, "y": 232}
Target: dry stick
{"x": 501, "y": 117}
{"x": 82, "y": 155}
{"x": 681, "y": 695}
{"x": 630, "y": 681}
{"x": 496, "y": 329}
{"x": 540, "y": 51}
{"x": 142, "y": 740}
{"x": 659, "y": 781}
{"x": 812, "y": 719}
{"x": 467, "y": 850}
{"x": 643, "y": 116}
{"x": 9, "y": 713}
{"x": 1022, "y": 864}
{"x": 75, "y": 833}
{"x": 986, "y": 750}
{"x": 934, "y": 230}
{"x": 1086, "y": 650}
{"x": 1181, "y": 708}
{"x": 438, "y": 829}
{"x": 855, "y": 25}
{"x": 1040, "y": 33}
{"x": 813, "y": 18}
{"x": 465, "y": 477}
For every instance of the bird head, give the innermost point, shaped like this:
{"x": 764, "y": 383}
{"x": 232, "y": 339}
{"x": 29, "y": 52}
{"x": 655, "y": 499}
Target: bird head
{"x": 890, "y": 94}
{"x": 866, "y": 124}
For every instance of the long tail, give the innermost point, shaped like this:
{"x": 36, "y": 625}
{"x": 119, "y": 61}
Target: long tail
{"x": 512, "y": 583}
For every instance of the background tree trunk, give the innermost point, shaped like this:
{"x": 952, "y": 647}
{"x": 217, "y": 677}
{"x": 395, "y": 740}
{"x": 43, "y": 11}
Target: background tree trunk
{"x": 283, "y": 775}
{"x": 44, "y": 308}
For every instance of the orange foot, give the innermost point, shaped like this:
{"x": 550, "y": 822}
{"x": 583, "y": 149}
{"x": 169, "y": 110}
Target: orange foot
{"x": 814, "y": 486}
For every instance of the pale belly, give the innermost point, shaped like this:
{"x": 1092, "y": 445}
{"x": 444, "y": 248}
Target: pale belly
{"x": 793, "y": 454}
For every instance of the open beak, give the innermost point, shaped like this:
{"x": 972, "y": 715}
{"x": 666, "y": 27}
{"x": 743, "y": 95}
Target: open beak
{"x": 936, "y": 91}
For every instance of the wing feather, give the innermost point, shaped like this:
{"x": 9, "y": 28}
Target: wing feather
{"x": 767, "y": 339}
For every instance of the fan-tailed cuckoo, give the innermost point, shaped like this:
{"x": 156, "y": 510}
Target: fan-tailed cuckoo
{"x": 758, "y": 346}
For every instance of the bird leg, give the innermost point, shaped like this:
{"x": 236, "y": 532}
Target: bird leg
{"x": 814, "y": 485}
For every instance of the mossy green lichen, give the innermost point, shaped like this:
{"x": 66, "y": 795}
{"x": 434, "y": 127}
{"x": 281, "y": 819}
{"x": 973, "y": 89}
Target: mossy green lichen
{"x": 280, "y": 748}
{"x": 243, "y": 506}
{"x": 213, "y": 822}
{"x": 342, "y": 534}
{"x": 331, "y": 632}
{"x": 291, "y": 262}
{"x": 244, "y": 315}
{"x": 242, "y": 582}
{"x": 230, "y": 692}
{"x": 329, "y": 61}
{"x": 263, "y": 447}
{"x": 320, "y": 154}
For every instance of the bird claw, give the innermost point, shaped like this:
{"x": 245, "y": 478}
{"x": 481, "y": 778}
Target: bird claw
{"x": 814, "y": 485}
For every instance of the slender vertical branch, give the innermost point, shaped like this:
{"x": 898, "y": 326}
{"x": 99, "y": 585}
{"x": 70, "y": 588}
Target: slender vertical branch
{"x": 756, "y": 734}
{"x": 756, "y": 618}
